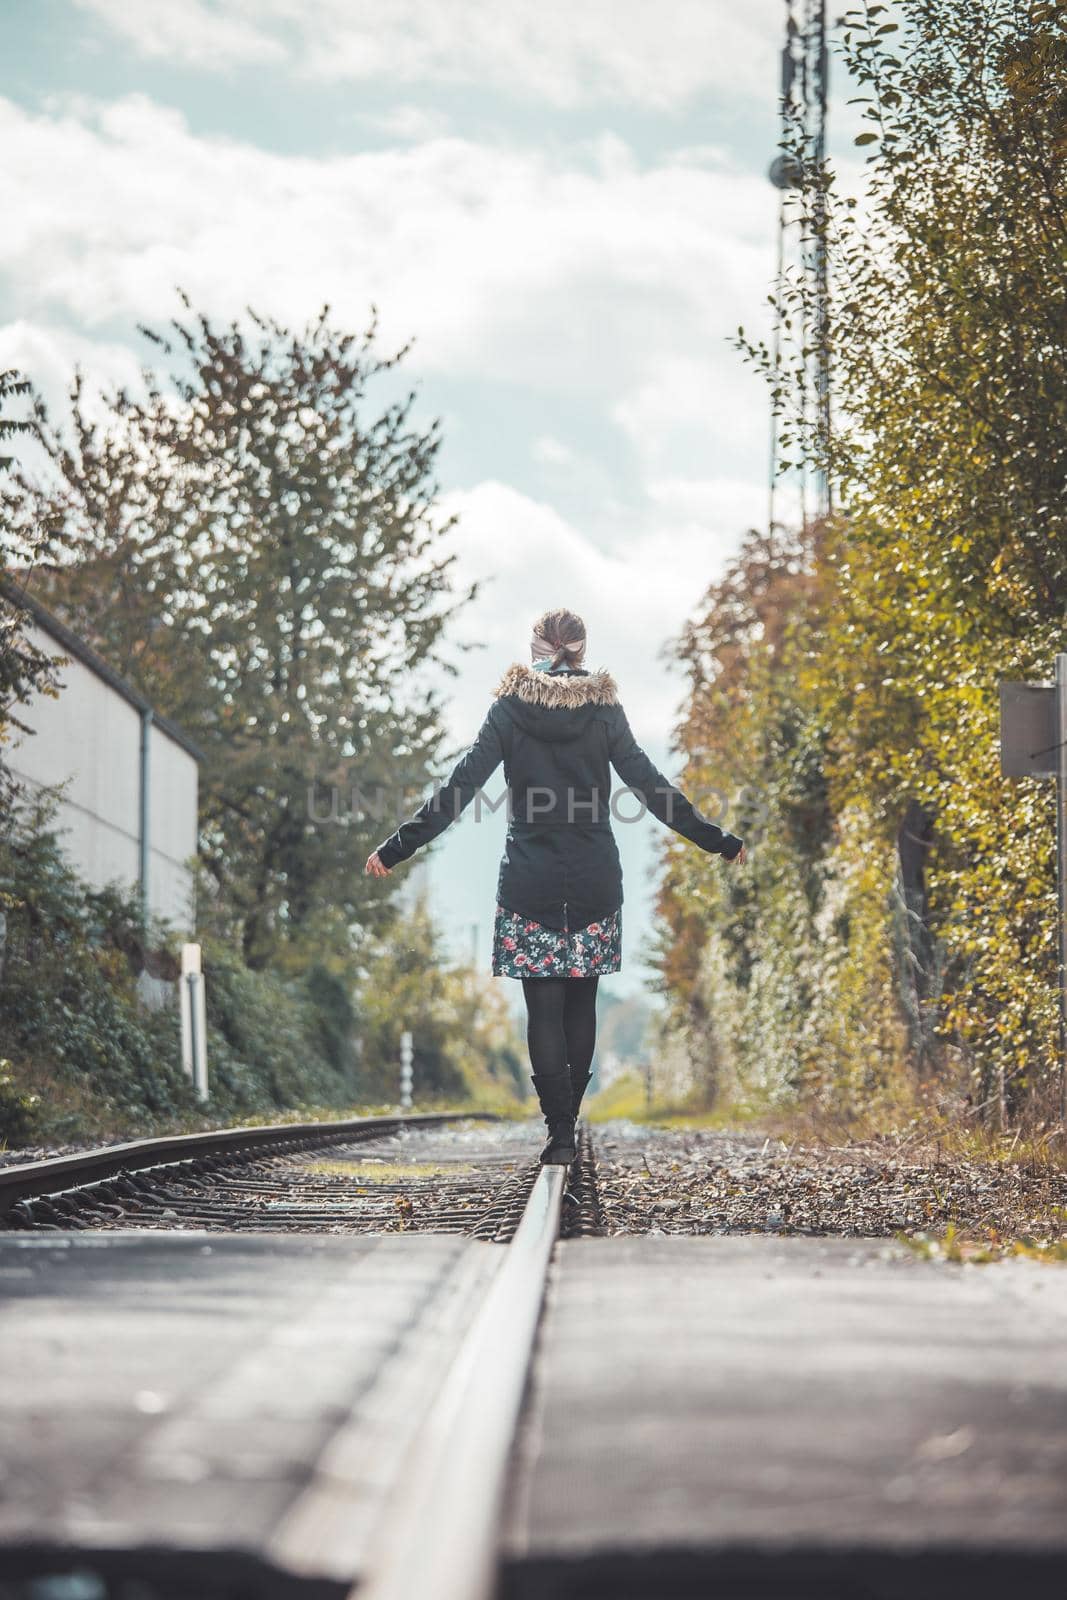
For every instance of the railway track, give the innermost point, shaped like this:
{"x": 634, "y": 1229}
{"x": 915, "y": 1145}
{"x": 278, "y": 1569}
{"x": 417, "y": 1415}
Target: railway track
{"x": 255, "y": 1381}
{"x": 436, "y": 1413}
{"x": 439, "y": 1535}
{"x": 84, "y": 1189}
{"x": 374, "y": 1174}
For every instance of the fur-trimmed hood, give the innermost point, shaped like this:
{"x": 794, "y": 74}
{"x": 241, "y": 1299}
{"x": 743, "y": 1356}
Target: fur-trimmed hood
{"x": 566, "y": 690}
{"x": 558, "y": 707}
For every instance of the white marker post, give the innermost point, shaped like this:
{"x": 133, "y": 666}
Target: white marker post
{"x": 194, "y": 1019}
{"x": 1033, "y": 744}
{"x": 1061, "y": 862}
{"x": 405, "y": 1070}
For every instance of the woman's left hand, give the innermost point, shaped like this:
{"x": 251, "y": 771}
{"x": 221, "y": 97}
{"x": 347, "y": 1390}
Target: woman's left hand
{"x": 376, "y": 867}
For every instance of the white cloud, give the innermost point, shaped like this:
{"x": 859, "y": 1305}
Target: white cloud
{"x": 406, "y": 124}
{"x": 583, "y": 273}
{"x": 628, "y": 51}
{"x": 190, "y": 30}
{"x": 687, "y": 398}
{"x": 711, "y": 507}
{"x": 593, "y": 277}
{"x": 552, "y": 452}
{"x": 633, "y": 597}
{"x": 51, "y": 355}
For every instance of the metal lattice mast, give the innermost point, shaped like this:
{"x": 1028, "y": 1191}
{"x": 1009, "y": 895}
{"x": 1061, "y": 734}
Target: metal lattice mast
{"x": 820, "y": 95}
{"x": 804, "y": 93}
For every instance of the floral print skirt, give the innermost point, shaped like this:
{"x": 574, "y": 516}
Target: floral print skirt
{"x": 526, "y": 949}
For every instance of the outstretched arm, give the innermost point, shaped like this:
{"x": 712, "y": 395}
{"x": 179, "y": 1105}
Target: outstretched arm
{"x": 443, "y": 807}
{"x": 662, "y": 798}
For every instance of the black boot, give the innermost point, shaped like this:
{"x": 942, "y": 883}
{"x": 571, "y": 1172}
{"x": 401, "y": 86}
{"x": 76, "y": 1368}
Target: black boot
{"x": 554, "y": 1096}
{"x": 579, "y": 1080}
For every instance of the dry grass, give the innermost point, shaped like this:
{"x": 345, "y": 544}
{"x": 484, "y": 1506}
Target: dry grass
{"x": 918, "y": 1126}
{"x": 370, "y": 1172}
{"x": 705, "y": 1181}
{"x": 956, "y": 1247}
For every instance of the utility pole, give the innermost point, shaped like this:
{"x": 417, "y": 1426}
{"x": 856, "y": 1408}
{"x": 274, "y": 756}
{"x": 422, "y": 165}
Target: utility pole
{"x": 821, "y": 74}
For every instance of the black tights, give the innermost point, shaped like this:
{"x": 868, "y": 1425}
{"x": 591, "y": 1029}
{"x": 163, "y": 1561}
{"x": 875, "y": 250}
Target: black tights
{"x": 560, "y": 1023}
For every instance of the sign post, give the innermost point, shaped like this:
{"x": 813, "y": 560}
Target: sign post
{"x": 1033, "y": 744}
{"x": 1061, "y": 862}
{"x": 405, "y": 1069}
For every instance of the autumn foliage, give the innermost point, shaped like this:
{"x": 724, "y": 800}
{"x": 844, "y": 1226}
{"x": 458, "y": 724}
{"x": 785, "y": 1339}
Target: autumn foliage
{"x": 897, "y": 927}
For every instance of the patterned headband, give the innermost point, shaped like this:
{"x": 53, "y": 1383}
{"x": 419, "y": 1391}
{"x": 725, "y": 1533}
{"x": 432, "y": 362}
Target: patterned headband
{"x": 540, "y": 647}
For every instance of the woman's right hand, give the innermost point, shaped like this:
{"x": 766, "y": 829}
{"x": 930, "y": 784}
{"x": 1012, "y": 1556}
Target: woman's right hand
{"x": 376, "y": 866}
{"x": 740, "y": 858}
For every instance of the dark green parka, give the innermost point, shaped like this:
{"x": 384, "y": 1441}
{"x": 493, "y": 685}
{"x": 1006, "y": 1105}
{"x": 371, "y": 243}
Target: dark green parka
{"x": 558, "y": 733}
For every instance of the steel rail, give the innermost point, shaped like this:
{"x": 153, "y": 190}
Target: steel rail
{"x": 439, "y": 1534}
{"x": 57, "y": 1174}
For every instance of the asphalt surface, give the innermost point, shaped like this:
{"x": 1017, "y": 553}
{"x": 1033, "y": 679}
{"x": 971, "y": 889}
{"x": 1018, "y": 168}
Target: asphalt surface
{"x": 724, "y": 1416}
{"x": 237, "y": 1404}
{"x": 792, "y": 1415}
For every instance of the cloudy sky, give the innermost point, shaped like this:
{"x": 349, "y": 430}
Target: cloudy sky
{"x": 564, "y": 202}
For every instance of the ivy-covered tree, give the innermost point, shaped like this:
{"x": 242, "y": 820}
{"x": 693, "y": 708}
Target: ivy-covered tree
{"x": 943, "y": 570}
{"x": 774, "y": 980}
{"x": 258, "y": 548}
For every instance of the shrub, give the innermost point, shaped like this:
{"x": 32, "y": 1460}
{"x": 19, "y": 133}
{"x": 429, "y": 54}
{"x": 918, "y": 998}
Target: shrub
{"x": 87, "y": 1058}
{"x": 18, "y": 1110}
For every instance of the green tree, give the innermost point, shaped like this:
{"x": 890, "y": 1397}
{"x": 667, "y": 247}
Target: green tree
{"x": 260, "y": 553}
{"x": 86, "y": 1058}
{"x": 465, "y": 1042}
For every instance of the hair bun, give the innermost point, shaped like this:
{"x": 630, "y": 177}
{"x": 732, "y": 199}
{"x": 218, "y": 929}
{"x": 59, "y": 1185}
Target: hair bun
{"x": 557, "y": 635}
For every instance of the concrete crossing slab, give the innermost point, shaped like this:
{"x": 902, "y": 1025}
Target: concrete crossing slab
{"x": 230, "y": 1401}
{"x": 786, "y": 1396}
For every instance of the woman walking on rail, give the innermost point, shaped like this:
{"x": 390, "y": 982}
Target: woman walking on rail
{"x": 558, "y": 729}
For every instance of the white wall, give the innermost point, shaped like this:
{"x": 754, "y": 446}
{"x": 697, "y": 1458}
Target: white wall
{"x": 90, "y": 736}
